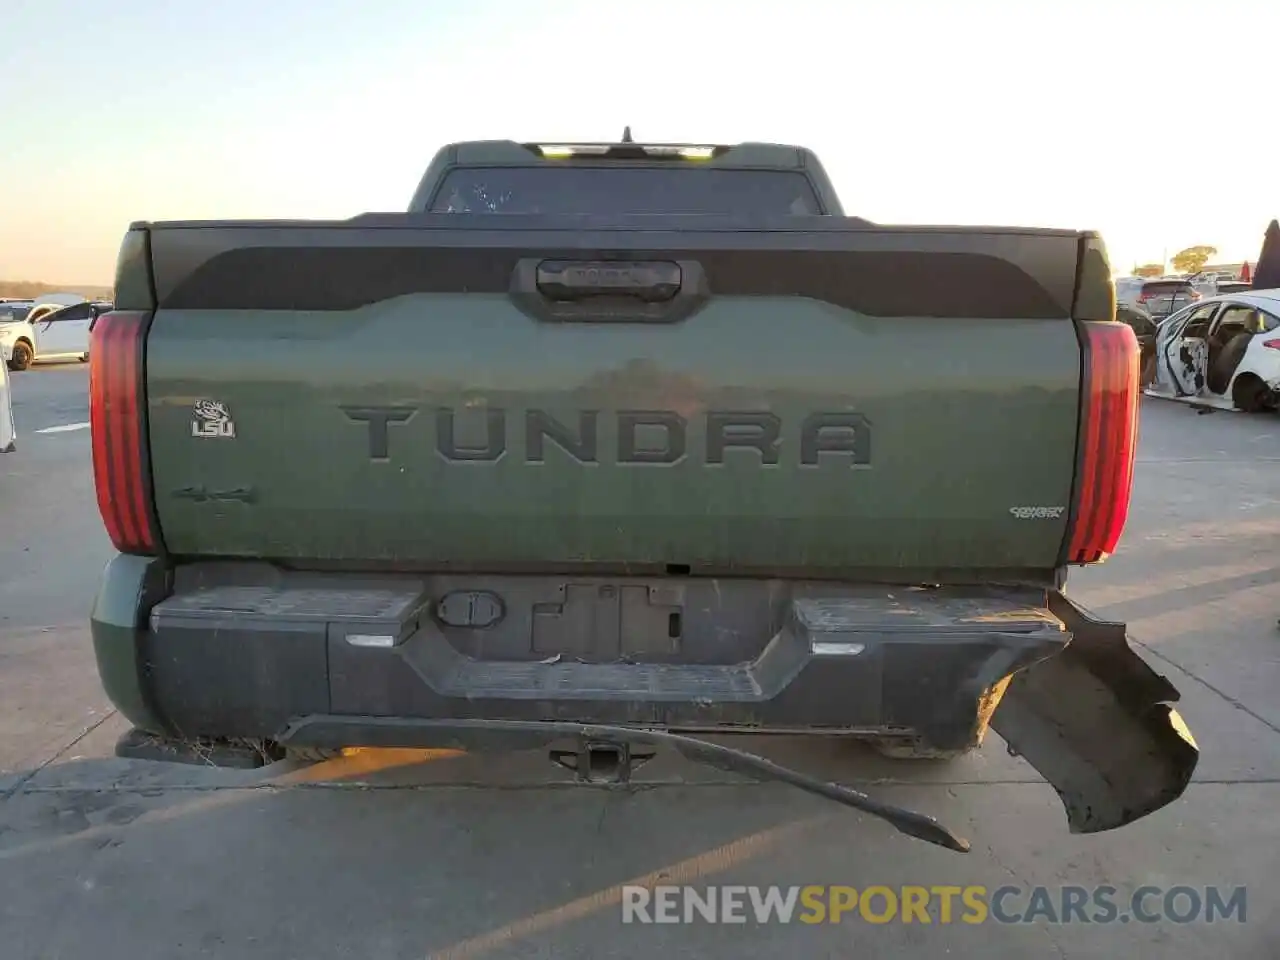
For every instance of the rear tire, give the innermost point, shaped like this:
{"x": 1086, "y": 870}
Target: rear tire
{"x": 916, "y": 748}
{"x": 22, "y": 356}
{"x": 1249, "y": 394}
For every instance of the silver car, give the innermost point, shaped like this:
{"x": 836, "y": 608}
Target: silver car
{"x": 1164, "y": 297}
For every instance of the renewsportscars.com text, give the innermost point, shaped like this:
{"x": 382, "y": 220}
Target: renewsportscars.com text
{"x": 933, "y": 904}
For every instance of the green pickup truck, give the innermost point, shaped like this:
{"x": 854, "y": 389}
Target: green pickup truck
{"x": 606, "y": 448}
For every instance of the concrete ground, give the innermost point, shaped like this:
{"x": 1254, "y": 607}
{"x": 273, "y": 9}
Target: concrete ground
{"x": 402, "y": 855}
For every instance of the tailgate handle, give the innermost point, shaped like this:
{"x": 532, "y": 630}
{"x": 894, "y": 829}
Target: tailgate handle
{"x": 650, "y": 281}
{"x": 609, "y": 291}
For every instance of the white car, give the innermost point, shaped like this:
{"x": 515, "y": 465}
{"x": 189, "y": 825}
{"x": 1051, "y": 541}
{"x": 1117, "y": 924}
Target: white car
{"x": 1223, "y": 352}
{"x": 46, "y": 331}
{"x": 8, "y": 432}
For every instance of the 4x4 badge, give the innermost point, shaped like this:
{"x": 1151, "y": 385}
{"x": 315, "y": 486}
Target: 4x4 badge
{"x": 211, "y": 418}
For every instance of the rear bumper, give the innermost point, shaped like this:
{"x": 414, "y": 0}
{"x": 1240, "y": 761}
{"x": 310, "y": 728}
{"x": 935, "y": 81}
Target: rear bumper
{"x": 840, "y": 660}
{"x": 805, "y": 681}
{"x": 1062, "y": 688}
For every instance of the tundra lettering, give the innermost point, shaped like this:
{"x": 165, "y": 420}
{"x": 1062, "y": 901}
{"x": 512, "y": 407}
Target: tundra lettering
{"x": 495, "y": 437}
{"x": 378, "y": 418}
{"x": 643, "y": 436}
{"x": 629, "y": 448}
{"x": 582, "y": 447}
{"x": 726, "y": 430}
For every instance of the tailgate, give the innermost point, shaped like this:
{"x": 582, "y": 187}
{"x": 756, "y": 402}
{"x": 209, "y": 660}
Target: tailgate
{"x": 460, "y": 391}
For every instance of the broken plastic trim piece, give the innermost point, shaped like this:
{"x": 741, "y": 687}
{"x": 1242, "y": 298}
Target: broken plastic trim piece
{"x": 918, "y": 825}
{"x": 1099, "y": 725}
{"x": 470, "y": 734}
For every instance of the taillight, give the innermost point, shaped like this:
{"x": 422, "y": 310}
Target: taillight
{"x": 117, "y": 413}
{"x": 1271, "y": 344}
{"x": 1144, "y": 296}
{"x": 1108, "y": 437}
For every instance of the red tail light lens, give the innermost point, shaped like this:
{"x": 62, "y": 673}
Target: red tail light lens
{"x": 117, "y": 413}
{"x": 1271, "y": 344}
{"x": 1109, "y": 439}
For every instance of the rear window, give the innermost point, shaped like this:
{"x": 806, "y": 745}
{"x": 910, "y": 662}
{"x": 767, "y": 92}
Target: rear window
{"x": 624, "y": 190}
{"x": 1165, "y": 286}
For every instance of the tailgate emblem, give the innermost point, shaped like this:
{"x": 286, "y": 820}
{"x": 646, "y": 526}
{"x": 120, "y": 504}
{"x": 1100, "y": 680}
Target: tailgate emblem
{"x": 1037, "y": 513}
{"x": 211, "y": 418}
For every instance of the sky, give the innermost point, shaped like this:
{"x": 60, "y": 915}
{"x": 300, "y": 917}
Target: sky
{"x": 1131, "y": 117}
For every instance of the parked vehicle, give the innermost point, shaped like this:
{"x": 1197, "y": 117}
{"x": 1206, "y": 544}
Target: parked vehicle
{"x": 1223, "y": 352}
{"x": 1164, "y": 297}
{"x": 1144, "y": 327}
{"x": 48, "y": 332}
{"x": 713, "y": 458}
{"x": 1140, "y": 320}
{"x": 59, "y": 299}
{"x": 11, "y": 310}
{"x": 1232, "y": 286}
{"x": 1128, "y": 288}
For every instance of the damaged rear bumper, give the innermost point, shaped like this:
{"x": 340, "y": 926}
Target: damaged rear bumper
{"x": 1099, "y": 725}
{"x": 301, "y": 670}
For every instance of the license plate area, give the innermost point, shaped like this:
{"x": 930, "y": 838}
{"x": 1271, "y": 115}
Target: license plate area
{"x": 604, "y": 622}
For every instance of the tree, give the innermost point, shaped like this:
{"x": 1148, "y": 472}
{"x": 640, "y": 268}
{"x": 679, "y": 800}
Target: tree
{"x": 1148, "y": 270}
{"x": 1192, "y": 259}
{"x": 27, "y": 289}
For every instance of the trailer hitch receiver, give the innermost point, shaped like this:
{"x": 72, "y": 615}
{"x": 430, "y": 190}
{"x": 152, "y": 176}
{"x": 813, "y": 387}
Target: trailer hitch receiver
{"x": 602, "y": 761}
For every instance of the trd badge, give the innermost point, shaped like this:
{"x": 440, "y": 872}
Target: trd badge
{"x": 211, "y": 418}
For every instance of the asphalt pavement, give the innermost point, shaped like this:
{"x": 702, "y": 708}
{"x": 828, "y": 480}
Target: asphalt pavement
{"x": 407, "y": 854}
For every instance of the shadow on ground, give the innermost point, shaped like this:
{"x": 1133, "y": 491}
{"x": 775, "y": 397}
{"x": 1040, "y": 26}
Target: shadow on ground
{"x": 380, "y": 854}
